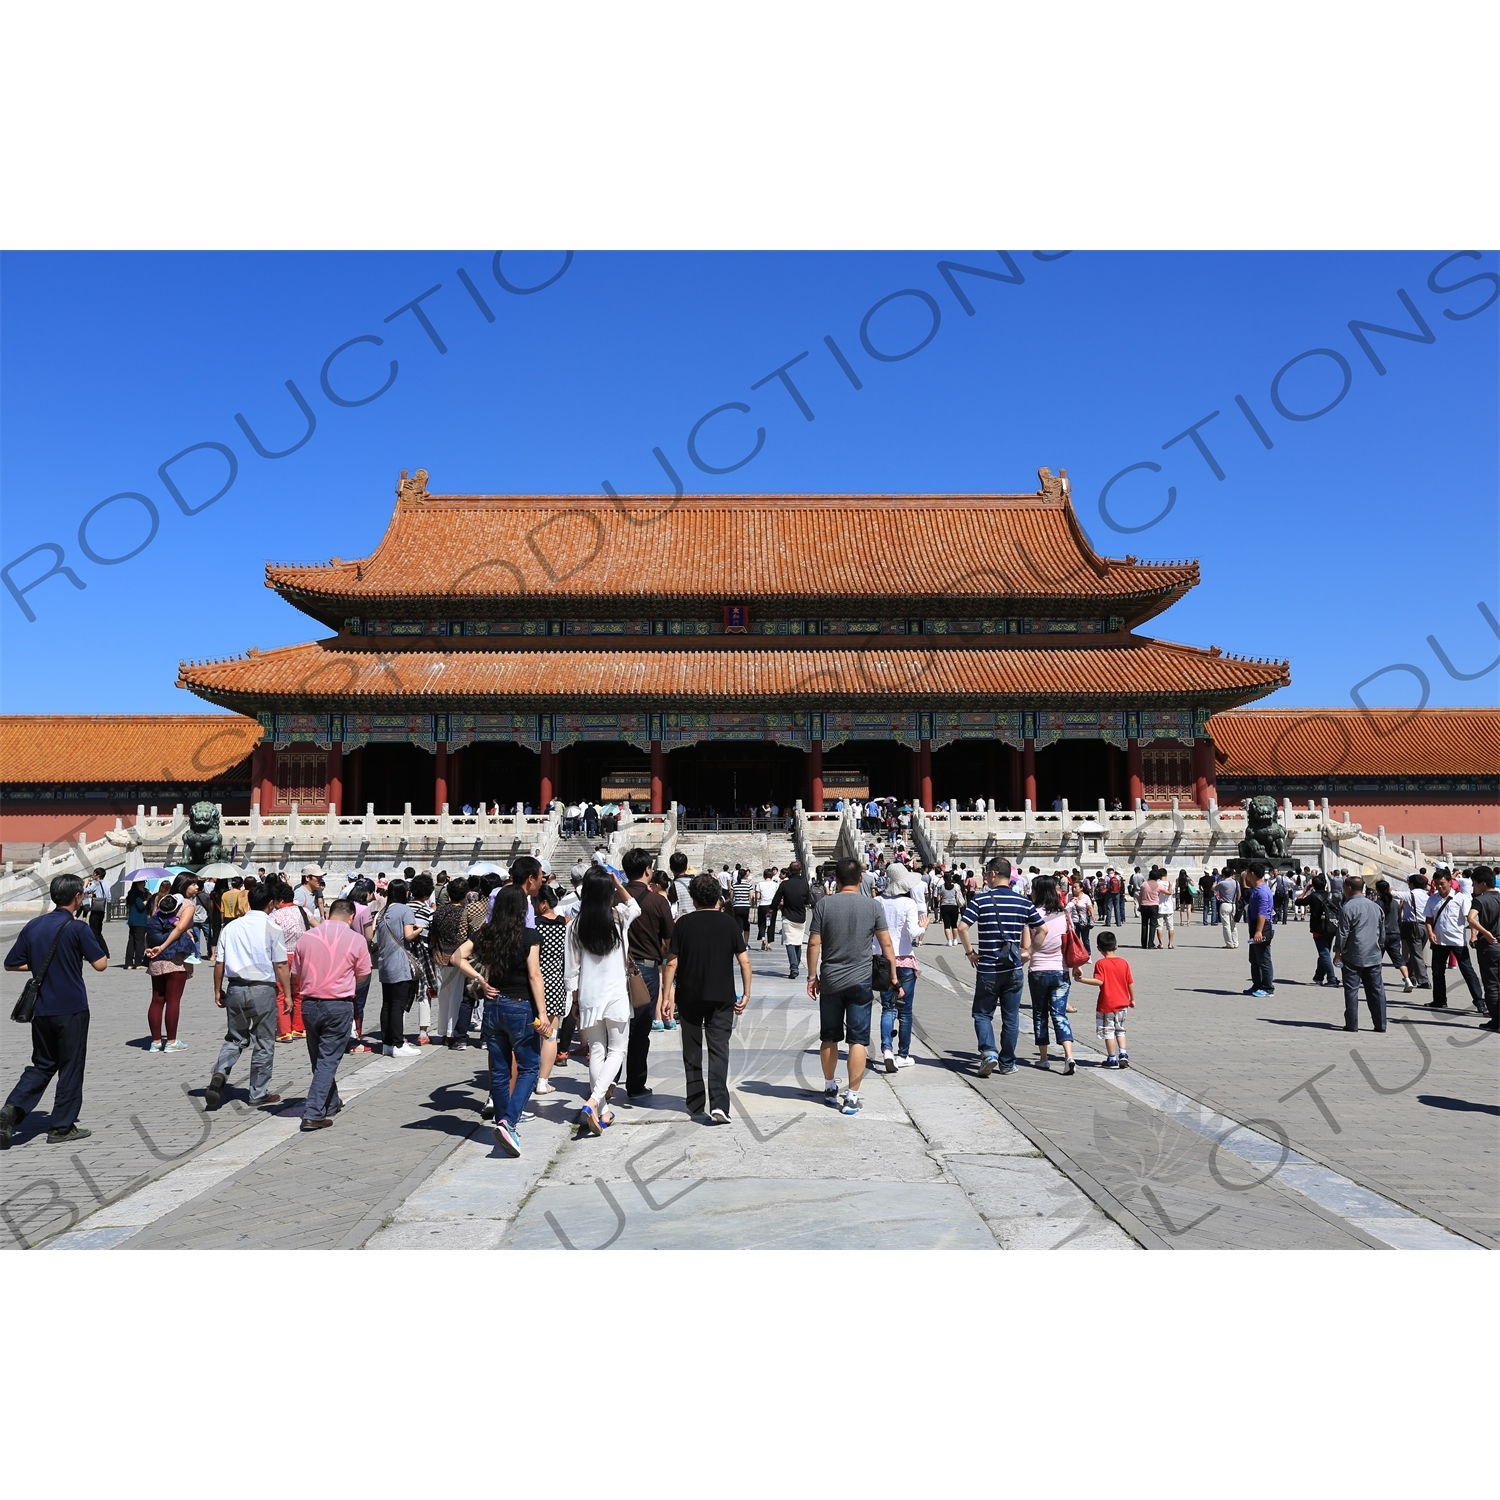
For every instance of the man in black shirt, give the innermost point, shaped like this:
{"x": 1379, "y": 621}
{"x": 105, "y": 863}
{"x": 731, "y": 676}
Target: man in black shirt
{"x": 60, "y": 1026}
{"x": 1484, "y": 924}
{"x": 698, "y": 981}
{"x": 646, "y": 939}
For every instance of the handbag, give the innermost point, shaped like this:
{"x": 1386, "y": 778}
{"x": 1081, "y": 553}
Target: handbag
{"x": 1074, "y": 954}
{"x": 31, "y": 991}
{"x": 881, "y": 977}
{"x": 635, "y": 984}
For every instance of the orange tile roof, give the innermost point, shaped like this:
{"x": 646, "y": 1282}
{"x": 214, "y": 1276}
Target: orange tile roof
{"x": 755, "y": 548}
{"x": 1133, "y": 668}
{"x": 63, "y": 749}
{"x": 1356, "y": 742}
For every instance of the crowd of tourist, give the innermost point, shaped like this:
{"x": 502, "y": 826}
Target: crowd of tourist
{"x": 591, "y": 969}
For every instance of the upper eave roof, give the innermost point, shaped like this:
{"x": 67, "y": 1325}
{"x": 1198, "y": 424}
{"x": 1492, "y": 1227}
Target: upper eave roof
{"x": 732, "y": 548}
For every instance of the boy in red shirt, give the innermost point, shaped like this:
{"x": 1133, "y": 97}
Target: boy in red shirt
{"x": 1116, "y": 986}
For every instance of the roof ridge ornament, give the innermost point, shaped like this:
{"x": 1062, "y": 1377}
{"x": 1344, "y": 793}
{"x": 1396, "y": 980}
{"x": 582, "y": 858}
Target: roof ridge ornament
{"x": 1053, "y": 487}
{"x": 413, "y": 487}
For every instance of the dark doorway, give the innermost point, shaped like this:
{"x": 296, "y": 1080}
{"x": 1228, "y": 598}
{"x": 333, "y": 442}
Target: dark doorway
{"x": 501, "y": 773}
{"x": 397, "y": 774}
{"x": 970, "y": 769}
{"x": 886, "y": 765}
{"x": 1076, "y": 770}
{"x": 581, "y": 767}
{"x": 727, "y": 775}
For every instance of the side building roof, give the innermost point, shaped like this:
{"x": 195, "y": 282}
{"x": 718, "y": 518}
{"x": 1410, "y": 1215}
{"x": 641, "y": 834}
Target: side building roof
{"x": 1321, "y": 742}
{"x": 69, "y": 749}
{"x": 768, "y": 550}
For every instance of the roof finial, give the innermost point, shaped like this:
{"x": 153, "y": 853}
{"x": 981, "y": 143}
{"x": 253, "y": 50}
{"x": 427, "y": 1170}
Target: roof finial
{"x": 413, "y": 488}
{"x": 1052, "y": 488}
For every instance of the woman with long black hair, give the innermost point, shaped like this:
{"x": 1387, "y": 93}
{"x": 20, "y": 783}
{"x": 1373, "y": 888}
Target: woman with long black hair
{"x": 1048, "y": 980}
{"x": 595, "y": 969}
{"x": 503, "y": 957}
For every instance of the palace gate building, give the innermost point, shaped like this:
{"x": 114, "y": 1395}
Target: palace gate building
{"x": 725, "y": 651}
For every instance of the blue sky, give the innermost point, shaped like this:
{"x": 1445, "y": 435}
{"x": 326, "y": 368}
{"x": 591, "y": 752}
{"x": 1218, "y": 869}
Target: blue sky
{"x": 1355, "y": 537}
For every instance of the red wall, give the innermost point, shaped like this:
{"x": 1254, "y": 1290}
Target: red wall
{"x": 62, "y": 822}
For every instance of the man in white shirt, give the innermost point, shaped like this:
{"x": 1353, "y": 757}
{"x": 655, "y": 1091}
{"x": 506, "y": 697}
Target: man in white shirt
{"x": 251, "y": 957}
{"x": 1226, "y": 892}
{"x": 1447, "y": 922}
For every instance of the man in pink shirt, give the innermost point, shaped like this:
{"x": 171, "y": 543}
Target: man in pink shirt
{"x": 329, "y": 961}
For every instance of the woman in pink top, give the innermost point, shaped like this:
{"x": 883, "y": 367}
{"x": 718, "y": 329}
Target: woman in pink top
{"x": 1149, "y": 905}
{"x": 1048, "y": 980}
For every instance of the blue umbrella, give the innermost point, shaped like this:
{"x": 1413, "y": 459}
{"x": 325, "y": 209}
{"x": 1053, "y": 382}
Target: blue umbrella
{"x": 150, "y": 872}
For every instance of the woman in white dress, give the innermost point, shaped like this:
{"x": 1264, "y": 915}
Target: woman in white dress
{"x": 595, "y": 974}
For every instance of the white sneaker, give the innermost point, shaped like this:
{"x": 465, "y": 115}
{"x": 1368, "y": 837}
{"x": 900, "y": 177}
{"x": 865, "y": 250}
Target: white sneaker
{"x": 889, "y": 1059}
{"x": 407, "y": 1050}
{"x": 1407, "y": 986}
{"x": 905, "y": 1062}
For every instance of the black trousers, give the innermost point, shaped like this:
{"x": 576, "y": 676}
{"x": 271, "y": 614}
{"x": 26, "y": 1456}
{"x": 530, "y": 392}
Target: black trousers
{"x": 1149, "y": 915}
{"x": 96, "y": 923}
{"x": 59, "y": 1046}
{"x": 394, "y": 998}
{"x": 135, "y": 948}
{"x": 713, "y": 1024}
{"x": 1465, "y": 968}
{"x": 638, "y": 1047}
{"x": 1489, "y": 977}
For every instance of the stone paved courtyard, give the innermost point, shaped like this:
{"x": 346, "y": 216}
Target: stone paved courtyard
{"x": 1244, "y": 1124}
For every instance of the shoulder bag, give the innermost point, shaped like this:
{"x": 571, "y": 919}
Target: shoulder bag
{"x": 1074, "y": 954}
{"x": 31, "y": 991}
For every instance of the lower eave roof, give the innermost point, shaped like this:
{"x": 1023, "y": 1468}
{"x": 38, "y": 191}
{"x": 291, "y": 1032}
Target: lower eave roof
{"x": 1133, "y": 669}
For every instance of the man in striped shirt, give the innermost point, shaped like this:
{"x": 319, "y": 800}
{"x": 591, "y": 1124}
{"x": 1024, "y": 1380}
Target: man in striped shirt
{"x": 1001, "y": 915}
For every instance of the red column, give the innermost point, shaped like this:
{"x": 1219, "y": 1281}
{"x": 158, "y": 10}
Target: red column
{"x": 440, "y": 777}
{"x": 354, "y": 762}
{"x": 658, "y": 777}
{"x": 924, "y": 775}
{"x": 1203, "y": 773}
{"x": 547, "y": 791}
{"x": 1015, "y": 777}
{"x": 1133, "y": 773}
{"x": 336, "y": 778}
{"x": 815, "y": 776}
{"x": 1028, "y": 772}
{"x": 263, "y": 779}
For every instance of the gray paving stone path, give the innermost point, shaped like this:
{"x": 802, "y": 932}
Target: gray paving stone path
{"x": 1155, "y": 1157}
{"x": 1411, "y": 1114}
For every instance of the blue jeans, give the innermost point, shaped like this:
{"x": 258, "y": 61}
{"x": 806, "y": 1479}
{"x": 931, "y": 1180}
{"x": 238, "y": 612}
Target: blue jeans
{"x": 508, "y": 1033}
{"x": 1000, "y": 987}
{"x": 1262, "y": 974}
{"x": 1049, "y": 998}
{"x": 1210, "y": 911}
{"x": 328, "y": 1024}
{"x": 894, "y": 1002}
{"x": 1324, "y": 971}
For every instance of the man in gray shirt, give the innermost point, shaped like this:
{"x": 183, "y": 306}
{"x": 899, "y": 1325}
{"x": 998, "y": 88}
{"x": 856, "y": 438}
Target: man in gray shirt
{"x": 844, "y": 925}
{"x": 1358, "y": 947}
